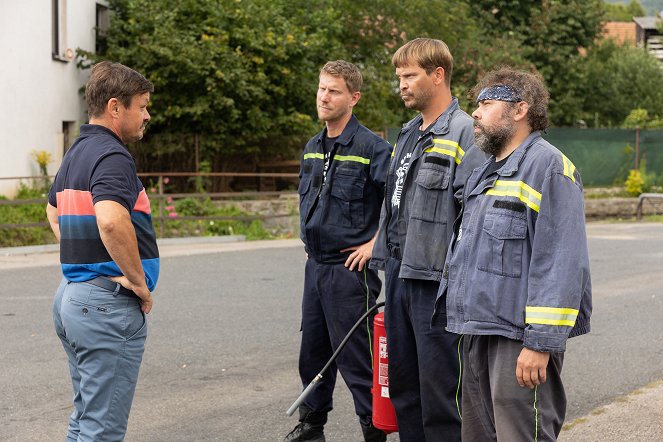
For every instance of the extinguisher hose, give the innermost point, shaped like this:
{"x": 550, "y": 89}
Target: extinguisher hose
{"x": 317, "y": 379}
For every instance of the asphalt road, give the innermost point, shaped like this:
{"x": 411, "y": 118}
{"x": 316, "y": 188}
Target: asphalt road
{"x": 221, "y": 358}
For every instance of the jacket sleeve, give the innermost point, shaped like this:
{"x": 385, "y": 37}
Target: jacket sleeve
{"x": 559, "y": 266}
{"x": 380, "y": 165}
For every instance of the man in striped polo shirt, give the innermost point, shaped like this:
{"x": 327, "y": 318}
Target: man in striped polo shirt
{"x": 99, "y": 211}
{"x": 341, "y": 188}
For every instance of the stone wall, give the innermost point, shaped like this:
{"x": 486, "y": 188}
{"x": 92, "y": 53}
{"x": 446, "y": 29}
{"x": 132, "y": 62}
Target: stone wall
{"x": 285, "y": 211}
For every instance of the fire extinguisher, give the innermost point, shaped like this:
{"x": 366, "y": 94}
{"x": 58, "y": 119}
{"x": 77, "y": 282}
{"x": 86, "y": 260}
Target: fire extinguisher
{"x": 384, "y": 415}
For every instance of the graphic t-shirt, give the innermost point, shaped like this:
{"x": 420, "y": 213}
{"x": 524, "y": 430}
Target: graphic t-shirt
{"x": 403, "y": 155}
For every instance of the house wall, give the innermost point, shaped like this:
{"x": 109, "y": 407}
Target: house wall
{"x": 38, "y": 92}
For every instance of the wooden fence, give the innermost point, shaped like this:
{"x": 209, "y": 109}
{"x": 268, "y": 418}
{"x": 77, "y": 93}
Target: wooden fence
{"x": 158, "y": 193}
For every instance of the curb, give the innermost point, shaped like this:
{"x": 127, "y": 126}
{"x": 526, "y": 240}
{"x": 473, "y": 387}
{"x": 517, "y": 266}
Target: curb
{"x": 54, "y": 248}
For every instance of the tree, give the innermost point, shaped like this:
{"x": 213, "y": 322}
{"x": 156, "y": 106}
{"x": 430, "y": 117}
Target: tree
{"x": 621, "y": 12}
{"x": 550, "y": 32}
{"x": 227, "y": 74}
{"x": 618, "y": 79}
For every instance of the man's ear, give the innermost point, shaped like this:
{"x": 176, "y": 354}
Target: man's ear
{"x": 439, "y": 75}
{"x": 522, "y": 108}
{"x": 355, "y": 98}
{"x": 113, "y": 107}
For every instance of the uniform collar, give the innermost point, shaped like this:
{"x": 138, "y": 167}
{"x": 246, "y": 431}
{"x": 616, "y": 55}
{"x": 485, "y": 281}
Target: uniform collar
{"x": 511, "y": 165}
{"x": 441, "y": 125}
{"x": 346, "y": 136}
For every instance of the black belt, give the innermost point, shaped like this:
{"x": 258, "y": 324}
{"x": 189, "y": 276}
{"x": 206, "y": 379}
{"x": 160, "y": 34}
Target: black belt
{"x": 112, "y": 286}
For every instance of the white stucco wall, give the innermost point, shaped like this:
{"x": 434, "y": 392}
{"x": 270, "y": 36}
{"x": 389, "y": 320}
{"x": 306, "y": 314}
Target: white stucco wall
{"x": 38, "y": 93}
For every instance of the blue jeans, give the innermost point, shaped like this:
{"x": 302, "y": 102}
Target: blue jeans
{"x": 103, "y": 334}
{"x": 424, "y": 362}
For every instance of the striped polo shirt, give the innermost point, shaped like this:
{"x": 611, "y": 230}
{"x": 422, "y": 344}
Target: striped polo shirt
{"x": 98, "y": 167}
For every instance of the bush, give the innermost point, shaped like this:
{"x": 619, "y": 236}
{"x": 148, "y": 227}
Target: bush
{"x": 635, "y": 183}
{"x": 22, "y": 214}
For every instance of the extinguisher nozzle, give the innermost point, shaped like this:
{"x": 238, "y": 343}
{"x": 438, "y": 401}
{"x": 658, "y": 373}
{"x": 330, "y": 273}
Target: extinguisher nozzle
{"x": 295, "y": 405}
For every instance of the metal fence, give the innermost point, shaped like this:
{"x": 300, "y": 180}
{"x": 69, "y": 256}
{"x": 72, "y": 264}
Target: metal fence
{"x": 158, "y": 191}
{"x": 603, "y": 156}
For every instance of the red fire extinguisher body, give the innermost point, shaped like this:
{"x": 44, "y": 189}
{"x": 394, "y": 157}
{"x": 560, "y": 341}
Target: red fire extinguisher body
{"x": 384, "y": 415}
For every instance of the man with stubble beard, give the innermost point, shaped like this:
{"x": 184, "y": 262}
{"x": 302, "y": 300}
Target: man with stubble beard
{"x": 341, "y": 188}
{"x": 431, "y": 159}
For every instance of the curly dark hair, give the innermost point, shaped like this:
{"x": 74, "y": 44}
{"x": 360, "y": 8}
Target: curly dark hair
{"x": 529, "y": 86}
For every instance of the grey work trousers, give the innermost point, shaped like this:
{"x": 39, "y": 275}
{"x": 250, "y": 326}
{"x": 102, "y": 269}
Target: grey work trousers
{"x": 495, "y": 407}
{"x": 103, "y": 334}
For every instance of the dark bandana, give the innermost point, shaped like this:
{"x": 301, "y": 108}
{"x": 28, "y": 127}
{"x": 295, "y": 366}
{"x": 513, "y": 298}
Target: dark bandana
{"x": 499, "y": 92}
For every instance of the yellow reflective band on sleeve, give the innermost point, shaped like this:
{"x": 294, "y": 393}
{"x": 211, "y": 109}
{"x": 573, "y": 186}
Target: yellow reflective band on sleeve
{"x": 452, "y": 149}
{"x": 354, "y": 158}
{"x": 518, "y": 189}
{"x": 319, "y": 156}
{"x": 551, "y": 316}
{"x": 569, "y": 168}
{"x": 393, "y": 151}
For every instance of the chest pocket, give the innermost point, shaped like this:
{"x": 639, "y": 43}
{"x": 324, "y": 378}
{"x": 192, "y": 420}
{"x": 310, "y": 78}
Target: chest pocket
{"x": 308, "y": 187}
{"x": 432, "y": 182}
{"x": 346, "y": 206}
{"x": 502, "y": 243}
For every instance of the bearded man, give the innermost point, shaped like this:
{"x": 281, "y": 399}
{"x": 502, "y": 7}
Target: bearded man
{"x": 516, "y": 283}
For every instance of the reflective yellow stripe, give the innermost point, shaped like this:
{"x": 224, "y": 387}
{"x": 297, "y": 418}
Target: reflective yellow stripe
{"x": 569, "y": 168}
{"x": 454, "y": 152}
{"x": 518, "y": 189}
{"x": 551, "y": 316}
{"x": 456, "y": 146}
{"x": 393, "y": 151}
{"x": 357, "y": 159}
{"x": 314, "y": 155}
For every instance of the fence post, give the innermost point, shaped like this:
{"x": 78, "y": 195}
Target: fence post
{"x": 637, "y": 160}
{"x": 160, "y": 196}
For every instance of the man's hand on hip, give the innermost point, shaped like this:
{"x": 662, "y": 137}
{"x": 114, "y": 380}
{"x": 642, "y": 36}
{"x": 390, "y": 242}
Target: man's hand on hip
{"x": 359, "y": 256}
{"x": 140, "y": 290}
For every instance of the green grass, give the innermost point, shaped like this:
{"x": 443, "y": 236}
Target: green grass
{"x": 21, "y": 214}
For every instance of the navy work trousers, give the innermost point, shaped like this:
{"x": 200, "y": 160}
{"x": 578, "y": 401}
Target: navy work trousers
{"x": 424, "y": 363}
{"x": 334, "y": 299}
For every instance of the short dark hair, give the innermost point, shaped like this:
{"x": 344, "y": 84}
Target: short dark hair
{"x": 347, "y": 71}
{"x": 113, "y": 80}
{"x": 428, "y": 54}
{"x": 529, "y": 86}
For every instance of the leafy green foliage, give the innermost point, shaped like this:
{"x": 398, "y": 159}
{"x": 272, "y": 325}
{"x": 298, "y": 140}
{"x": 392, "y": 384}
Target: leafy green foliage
{"x": 225, "y": 69}
{"x": 550, "y": 33}
{"x": 624, "y": 12}
{"x": 23, "y": 214}
{"x": 617, "y": 79}
{"x": 236, "y": 79}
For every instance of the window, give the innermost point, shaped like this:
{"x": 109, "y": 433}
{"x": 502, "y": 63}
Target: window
{"x": 68, "y": 135}
{"x": 59, "y": 26}
{"x": 102, "y": 25}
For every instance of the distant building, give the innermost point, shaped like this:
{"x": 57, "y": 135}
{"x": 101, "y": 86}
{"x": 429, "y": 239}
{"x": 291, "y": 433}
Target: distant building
{"x": 39, "y": 80}
{"x": 647, "y": 35}
{"x": 620, "y": 32}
